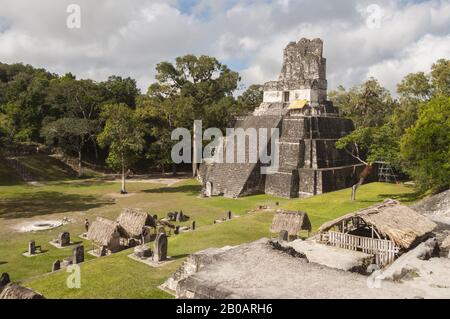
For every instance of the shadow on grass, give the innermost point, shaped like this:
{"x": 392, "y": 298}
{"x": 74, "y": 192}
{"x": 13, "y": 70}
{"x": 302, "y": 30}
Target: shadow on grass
{"x": 180, "y": 256}
{"x": 11, "y": 182}
{"x": 46, "y": 202}
{"x": 405, "y": 197}
{"x": 38, "y": 252}
{"x": 187, "y": 189}
{"x": 81, "y": 183}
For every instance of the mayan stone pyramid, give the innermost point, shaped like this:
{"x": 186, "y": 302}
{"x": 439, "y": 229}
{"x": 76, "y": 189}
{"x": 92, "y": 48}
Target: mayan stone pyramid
{"x": 309, "y": 125}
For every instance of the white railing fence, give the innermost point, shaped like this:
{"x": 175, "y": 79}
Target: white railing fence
{"x": 385, "y": 251}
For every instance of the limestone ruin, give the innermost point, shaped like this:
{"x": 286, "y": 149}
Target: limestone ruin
{"x": 63, "y": 240}
{"x": 33, "y": 249}
{"x": 305, "y": 270}
{"x": 78, "y": 254}
{"x": 56, "y": 265}
{"x": 309, "y": 124}
{"x": 160, "y": 250}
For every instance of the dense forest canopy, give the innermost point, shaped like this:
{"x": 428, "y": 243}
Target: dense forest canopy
{"x": 77, "y": 116}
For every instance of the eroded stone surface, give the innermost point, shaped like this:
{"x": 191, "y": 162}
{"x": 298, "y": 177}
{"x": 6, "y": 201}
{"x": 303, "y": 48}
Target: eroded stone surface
{"x": 436, "y": 207}
{"x": 332, "y": 257}
{"x": 257, "y": 270}
{"x": 192, "y": 264}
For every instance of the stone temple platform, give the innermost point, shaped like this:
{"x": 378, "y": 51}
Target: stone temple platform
{"x": 259, "y": 270}
{"x": 309, "y": 126}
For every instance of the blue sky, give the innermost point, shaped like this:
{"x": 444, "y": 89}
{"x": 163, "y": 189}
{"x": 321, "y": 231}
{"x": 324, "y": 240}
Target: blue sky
{"x": 129, "y": 38}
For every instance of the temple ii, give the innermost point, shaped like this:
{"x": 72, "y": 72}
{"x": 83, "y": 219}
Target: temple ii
{"x": 309, "y": 126}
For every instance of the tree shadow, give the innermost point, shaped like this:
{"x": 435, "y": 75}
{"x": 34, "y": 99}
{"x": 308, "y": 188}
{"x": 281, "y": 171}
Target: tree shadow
{"x": 47, "y": 202}
{"x": 406, "y": 197}
{"x": 188, "y": 189}
{"x": 81, "y": 183}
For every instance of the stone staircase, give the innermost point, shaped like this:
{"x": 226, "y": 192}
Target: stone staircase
{"x": 23, "y": 172}
{"x": 238, "y": 179}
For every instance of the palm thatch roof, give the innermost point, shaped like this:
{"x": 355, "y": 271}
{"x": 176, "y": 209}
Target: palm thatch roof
{"x": 103, "y": 231}
{"x": 399, "y": 223}
{"x": 290, "y": 221}
{"x": 13, "y": 291}
{"x": 132, "y": 221}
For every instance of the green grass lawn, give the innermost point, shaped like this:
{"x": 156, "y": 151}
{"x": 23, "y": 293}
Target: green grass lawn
{"x": 117, "y": 276}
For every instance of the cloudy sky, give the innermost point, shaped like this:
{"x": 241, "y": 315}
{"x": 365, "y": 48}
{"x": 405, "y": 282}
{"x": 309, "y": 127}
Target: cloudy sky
{"x": 129, "y": 38}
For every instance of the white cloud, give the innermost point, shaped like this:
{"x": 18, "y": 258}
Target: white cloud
{"x": 130, "y": 38}
{"x": 417, "y": 57}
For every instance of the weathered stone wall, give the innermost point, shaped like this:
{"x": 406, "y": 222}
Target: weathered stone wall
{"x": 283, "y": 184}
{"x": 307, "y": 182}
{"x": 318, "y": 181}
{"x": 303, "y": 63}
{"x": 292, "y": 154}
{"x": 328, "y": 156}
{"x": 315, "y": 127}
{"x": 275, "y": 108}
{"x": 302, "y": 77}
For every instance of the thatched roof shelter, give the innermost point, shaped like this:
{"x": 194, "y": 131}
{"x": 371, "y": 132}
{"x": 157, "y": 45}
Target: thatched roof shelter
{"x": 399, "y": 223}
{"x": 13, "y": 291}
{"x": 132, "y": 221}
{"x": 290, "y": 221}
{"x": 103, "y": 231}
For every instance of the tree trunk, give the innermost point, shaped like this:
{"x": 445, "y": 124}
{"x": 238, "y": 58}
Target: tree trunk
{"x": 96, "y": 151}
{"x": 79, "y": 163}
{"x": 194, "y": 169}
{"x": 174, "y": 169}
{"x": 355, "y": 187}
{"x": 362, "y": 177}
{"x": 123, "y": 190}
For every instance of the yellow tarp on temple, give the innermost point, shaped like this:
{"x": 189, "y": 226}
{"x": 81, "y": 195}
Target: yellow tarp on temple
{"x": 298, "y": 104}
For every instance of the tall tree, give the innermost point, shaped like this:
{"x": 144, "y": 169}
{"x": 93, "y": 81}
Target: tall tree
{"x": 193, "y": 88}
{"x": 203, "y": 81}
{"x": 250, "y": 98}
{"x": 71, "y": 134}
{"x": 75, "y": 102}
{"x": 120, "y": 90}
{"x": 22, "y": 99}
{"x": 369, "y": 145}
{"x": 415, "y": 90}
{"x": 425, "y": 147}
{"x": 124, "y": 135}
{"x": 370, "y": 106}
{"x": 440, "y": 77}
